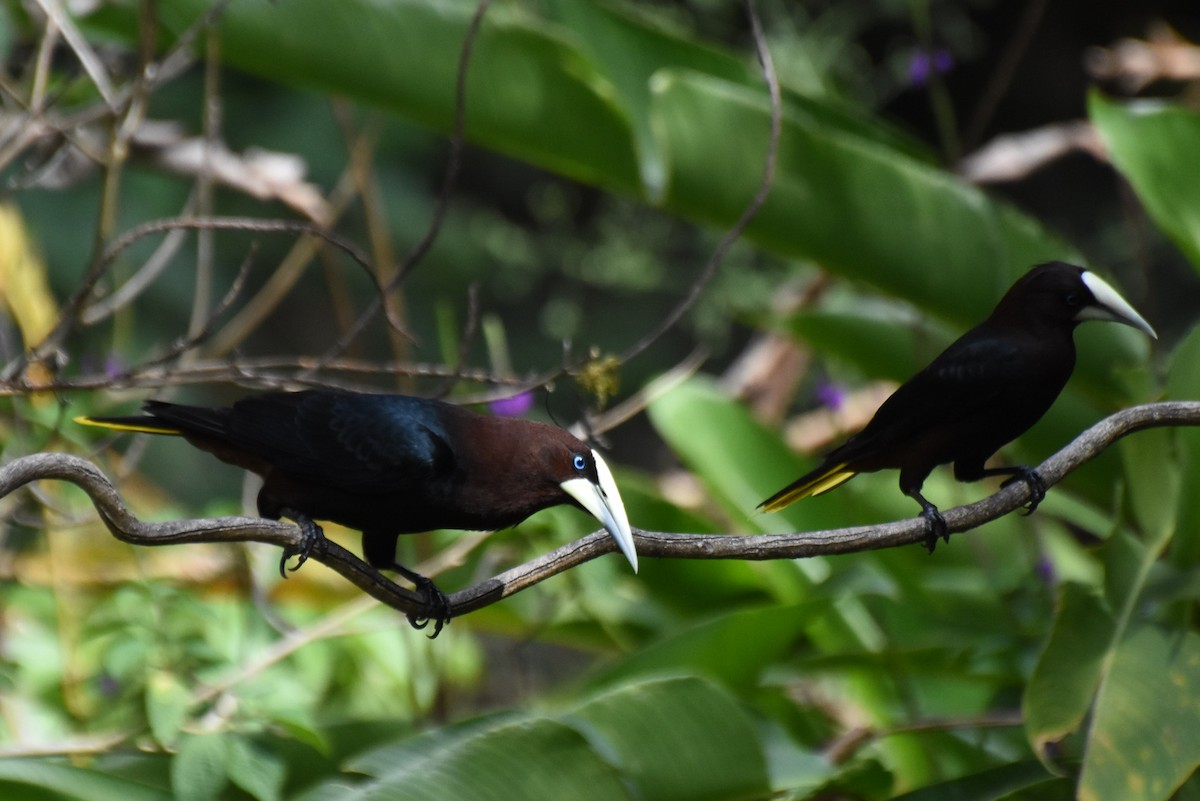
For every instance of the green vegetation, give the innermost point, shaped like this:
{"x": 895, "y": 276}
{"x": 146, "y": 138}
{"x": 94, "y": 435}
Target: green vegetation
{"x": 1044, "y": 657}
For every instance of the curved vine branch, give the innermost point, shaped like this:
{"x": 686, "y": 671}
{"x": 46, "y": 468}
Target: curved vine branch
{"x": 654, "y": 544}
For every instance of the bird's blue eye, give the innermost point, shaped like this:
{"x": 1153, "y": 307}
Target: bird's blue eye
{"x": 1073, "y": 299}
{"x": 579, "y": 462}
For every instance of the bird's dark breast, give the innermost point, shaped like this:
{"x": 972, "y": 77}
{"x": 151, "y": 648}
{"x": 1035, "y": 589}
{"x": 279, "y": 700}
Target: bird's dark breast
{"x": 408, "y": 509}
{"x": 982, "y": 429}
{"x": 962, "y": 412}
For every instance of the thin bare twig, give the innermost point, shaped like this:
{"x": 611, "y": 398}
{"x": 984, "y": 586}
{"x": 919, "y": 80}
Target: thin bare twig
{"x": 205, "y": 193}
{"x": 128, "y": 108}
{"x": 751, "y": 210}
{"x": 442, "y": 205}
{"x": 140, "y": 281}
{"x": 1001, "y": 77}
{"x": 465, "y": 340}
{"x": 285, "y": 276}
{"x": 88, "y": 59}
{"x": 265, "y": 372}
{"x": 650, "y": 544}
{"x": 252, "y": 224}
{"x": 206, "y": 325}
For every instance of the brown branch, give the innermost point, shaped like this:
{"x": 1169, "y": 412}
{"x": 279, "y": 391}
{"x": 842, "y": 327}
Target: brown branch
{"x": 126, "y": 527}
{"x": 653, "y": 544}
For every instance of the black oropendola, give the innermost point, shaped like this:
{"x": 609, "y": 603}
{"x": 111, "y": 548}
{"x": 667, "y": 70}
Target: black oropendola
{"x": 388, "y": 465}
{"x": 982, "y": 392}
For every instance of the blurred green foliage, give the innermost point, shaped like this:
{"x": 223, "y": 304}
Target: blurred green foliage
{"x": 1049, "y": 657}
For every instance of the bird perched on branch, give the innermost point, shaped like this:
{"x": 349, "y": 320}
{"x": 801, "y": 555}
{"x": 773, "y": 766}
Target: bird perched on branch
{"x": 983, "y": 391}
{"x": 392, "y": 464}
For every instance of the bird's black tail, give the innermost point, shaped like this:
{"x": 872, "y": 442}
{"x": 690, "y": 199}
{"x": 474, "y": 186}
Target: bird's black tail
{"x": 138, "y": 423}
{"x": 823, "y": 479}
{"x": 164, "y": 418}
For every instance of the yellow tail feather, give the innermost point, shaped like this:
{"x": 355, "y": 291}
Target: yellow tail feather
{"x": 132, "y": 424}
{"x": 833, "y": 477}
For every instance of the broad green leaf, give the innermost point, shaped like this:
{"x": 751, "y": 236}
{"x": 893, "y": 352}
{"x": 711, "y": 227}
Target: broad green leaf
{"x": 1144, "y": 739}
{"x": 676, "y": 739}
{"x": 1024, "y": 780}
{"x": 740, "y": 461}
{"x": 532, "y": 760}
{"x": 379, "y": 759}
{"x": 199, "y": 771}
{"x": 1189, "y": 790}
{"x": 847, "y": 201}
{"x": 1146, "y": 140}
{"x": 1127, "y": 563}
{"x": 733, "y": 648}
{"x": 1153, "y": 481}
{"x": 1183, "y": 383}
{"x": 24, "y": 777}
{"x": 862, "y": 776}
{"x": 630, "y": 51}
{"x": 530, "y": 94}
{"x": 167, "y": 704}
{"x": 863, "y": 210}
{"x": 1068, "y": 671}
{"x": 878, "y": 346}
{"x": 255, "y": 768}
{"x": 604, "y": 97}
{"x": 623, "y": 739}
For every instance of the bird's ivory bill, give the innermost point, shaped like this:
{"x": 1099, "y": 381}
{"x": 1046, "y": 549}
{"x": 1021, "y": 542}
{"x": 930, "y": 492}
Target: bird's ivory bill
{"x": 1110, "y": 305}
{"x": 603, "y": 501}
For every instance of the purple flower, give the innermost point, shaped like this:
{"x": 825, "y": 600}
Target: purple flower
{"x": 831, "y": 395}
{"x": 114, "y": 366}
{"x": 515, "y": 406}
{"x": 923, "y": 64}
{"x": 1045, "y": 570}
{"x": 108, "y": 686}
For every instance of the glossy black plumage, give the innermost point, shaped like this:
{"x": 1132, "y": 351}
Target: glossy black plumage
{"x": 983, "y": 391}
{"x": 392, "y": 464}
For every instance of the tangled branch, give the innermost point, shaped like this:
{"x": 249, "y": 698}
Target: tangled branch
{"x": 654, "y": 544}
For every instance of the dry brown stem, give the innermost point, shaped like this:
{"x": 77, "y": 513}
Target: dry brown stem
{"x": 650, "y": 544}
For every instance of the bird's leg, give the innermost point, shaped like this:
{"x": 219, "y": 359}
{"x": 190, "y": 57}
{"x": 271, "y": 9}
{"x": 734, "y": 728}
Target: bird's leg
{"x": 311, "y": 537}
{"x": 380, "y": 552}
{"x": 435, "y": 600}
{"x": 935, "y": 524}
{"x": 1037, "y": 487}
{"x": 911, "y": 479}
{"x": 1036, "y": 484}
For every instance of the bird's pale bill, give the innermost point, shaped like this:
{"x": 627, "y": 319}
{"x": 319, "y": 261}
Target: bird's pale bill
{"x": 603, "y": 501}
{"x": 1110, "y": 305}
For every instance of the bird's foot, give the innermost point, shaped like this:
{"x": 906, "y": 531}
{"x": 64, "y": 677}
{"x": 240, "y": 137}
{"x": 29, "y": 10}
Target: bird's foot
{"x": 935, "y": 526}
{"x": 311, "y": 536}
{"x": 437, "y": 604}
{"x": 1036, "y": 484}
